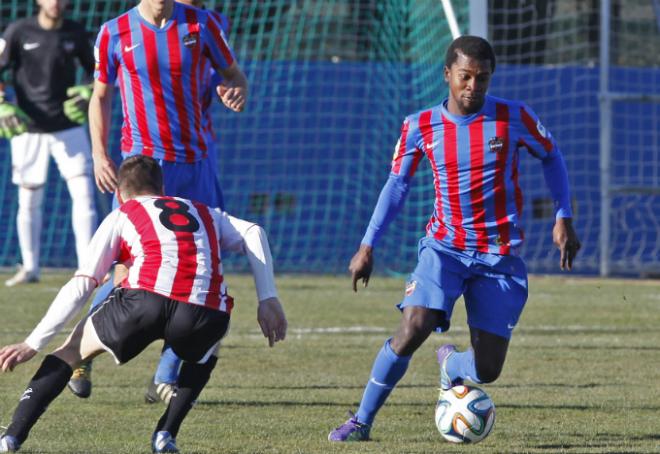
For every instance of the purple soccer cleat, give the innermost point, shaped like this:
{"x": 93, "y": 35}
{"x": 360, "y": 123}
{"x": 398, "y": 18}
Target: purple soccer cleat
{"x": 351, "y": 430}
{"x": 444, "y": 353}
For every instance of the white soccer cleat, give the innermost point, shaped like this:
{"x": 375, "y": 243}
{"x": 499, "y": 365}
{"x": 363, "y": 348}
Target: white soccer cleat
{"x": 23, "y": 277}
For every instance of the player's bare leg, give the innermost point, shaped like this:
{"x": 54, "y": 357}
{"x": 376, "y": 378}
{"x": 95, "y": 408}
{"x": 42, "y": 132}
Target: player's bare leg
{"x": 481, "y": 364}
{"x": 80, "y": 383}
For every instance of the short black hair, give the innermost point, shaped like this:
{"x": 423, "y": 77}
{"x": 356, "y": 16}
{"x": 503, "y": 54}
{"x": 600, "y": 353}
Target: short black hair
{"x": 140, "y": 174}
{"x": 470, "y": 46}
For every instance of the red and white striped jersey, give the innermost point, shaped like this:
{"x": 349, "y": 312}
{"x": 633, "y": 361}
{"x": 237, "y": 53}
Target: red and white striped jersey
{"x": 171, "y": 246}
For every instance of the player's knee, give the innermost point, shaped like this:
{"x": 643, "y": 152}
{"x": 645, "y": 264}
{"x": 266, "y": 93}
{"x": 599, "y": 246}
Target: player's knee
{"x": 412, "y": 332}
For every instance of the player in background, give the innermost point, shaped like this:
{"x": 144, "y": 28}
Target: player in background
{"x": 160, "y": 53}
{"x": 175, "y": 291}
{"x": 43, "y": 53}
{"x": 472, "y": 141}
{"x": 163, "y": 383}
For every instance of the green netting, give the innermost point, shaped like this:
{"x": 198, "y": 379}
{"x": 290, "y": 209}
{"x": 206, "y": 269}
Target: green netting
{"x": 331, "y": 81}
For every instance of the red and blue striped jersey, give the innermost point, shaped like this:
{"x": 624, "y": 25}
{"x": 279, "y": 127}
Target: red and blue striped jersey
{"x": 474, "y": 161}
{"x": 162, "y": 75}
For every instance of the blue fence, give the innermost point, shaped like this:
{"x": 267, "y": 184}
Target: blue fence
{"x": 309, "y": 156}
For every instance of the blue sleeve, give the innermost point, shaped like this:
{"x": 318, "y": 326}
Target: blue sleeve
{"x": 404, "y": 164}
{"x": 390, "y": 202}
{"x": 556, "y": 178}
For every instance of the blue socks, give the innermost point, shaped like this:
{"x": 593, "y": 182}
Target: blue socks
{"x": 461, "y": 365}
{"x": 168, "y": 367}
{"x": 387, "y": 370}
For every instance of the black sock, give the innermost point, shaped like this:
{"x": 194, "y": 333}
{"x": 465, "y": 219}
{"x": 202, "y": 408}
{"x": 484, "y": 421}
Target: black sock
{"x": 192, "y": 380}
{"x": 46, "y": 384}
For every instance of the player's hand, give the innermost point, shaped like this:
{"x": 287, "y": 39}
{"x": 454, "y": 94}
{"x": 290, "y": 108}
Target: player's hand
{"x": 105, "y": 173}
{"x": 361, "y": 265}
{"x": 272, "y": 320}
{"x": 12, "y": 355}
{"x": 566, "y": 240}
{"x": 233, "y": 97}
{"x": 13, "y": 120}
{"x": 75, "y": 108}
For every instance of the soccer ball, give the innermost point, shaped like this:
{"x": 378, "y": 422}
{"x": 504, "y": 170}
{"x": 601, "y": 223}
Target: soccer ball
{"x": 464, "y": 414}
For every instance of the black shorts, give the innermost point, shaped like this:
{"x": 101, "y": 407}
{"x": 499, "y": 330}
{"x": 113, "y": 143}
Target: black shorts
{"x": 129, "y": 320}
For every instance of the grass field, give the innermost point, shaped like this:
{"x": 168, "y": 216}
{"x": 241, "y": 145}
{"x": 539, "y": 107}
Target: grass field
{"x": 582, "y": 376}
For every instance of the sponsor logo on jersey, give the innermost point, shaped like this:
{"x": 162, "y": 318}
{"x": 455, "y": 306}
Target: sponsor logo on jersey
{"x": 190, "y": 40}
{"x": 496, "y": 144}
{"x": 541, "y": 129}
{"x": 130, "y": 48}
{"x": 410, "y": 287}
{"x": 31, "y": 46}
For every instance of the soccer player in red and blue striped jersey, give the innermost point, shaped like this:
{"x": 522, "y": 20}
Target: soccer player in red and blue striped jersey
{"x": 473, "y": 143}
{"x": 160, "y": 53}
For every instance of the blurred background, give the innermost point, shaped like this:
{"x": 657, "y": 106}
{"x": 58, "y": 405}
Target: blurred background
{"x": 331, "y": 82}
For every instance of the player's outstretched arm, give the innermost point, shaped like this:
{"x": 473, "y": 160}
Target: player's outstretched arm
{"x": 233, "y": 91}
{"x": 100, "y": 105}
{"x": 15, "y": 354}
{"x": 361, "y": 265}
{"x": 566, "y": 240}
{"x": 272, "y": 320}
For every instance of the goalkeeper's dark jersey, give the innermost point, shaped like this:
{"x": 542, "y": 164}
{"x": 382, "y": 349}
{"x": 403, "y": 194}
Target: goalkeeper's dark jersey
{"x": 43, "y": 65}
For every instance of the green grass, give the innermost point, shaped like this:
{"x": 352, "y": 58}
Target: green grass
{"x": 582, "y": 375}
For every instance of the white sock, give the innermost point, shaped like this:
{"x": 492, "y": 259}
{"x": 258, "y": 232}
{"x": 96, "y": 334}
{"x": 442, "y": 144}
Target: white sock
{"x": 28, "y": 225}
{"x": 83, "y": 212}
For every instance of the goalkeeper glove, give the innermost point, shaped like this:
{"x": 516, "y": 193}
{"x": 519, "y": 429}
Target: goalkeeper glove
{"x": 75, "y": 108}
{"x": 13, "y": 120}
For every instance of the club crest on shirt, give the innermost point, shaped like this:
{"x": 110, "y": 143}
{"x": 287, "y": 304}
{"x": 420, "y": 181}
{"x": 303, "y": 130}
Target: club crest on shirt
{"x": 496, "y": 144}
{"x": 68, "y": 46}
{"x": 190, "y": 40}
{"x": 410, "y": 287}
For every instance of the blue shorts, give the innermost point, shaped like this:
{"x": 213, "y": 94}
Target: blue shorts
{"x": 195, "y": 181}
{"x": 494, "y": 287}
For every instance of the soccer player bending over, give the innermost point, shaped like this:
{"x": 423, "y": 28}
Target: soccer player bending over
{"x": 472, "y": 141}
{"x": 174, "y": 291}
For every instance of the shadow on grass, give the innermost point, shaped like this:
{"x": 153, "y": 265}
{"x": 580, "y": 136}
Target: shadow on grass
{"x": 291, "y": 403}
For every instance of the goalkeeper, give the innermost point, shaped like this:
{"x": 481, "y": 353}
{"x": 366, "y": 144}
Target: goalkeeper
{"x": 41, "y": 54}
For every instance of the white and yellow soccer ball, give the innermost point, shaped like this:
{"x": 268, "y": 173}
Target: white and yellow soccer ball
{"x": 464, "y": 414}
